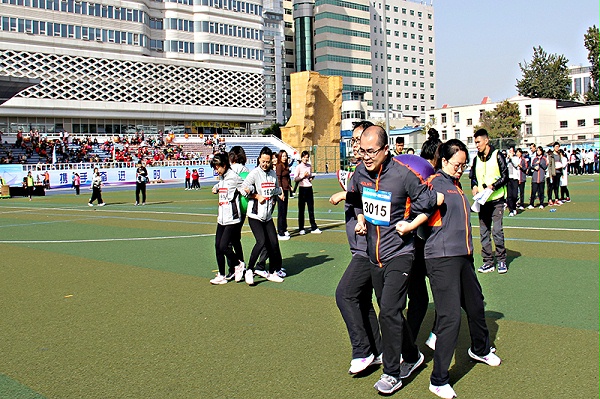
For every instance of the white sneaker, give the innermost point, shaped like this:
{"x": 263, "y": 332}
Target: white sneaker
{"x": 90, "y": 204}
{"x": 239, "y": 272}
{"x": 491, "y": 359}
{"x": 274, "y": 278}
{"x": 444, "y": 391}
{"x": 102, "y": 204}
{"x": 282, "y": 273}
{"x": 431, "y": 341}
{"x": 521, "y": 208}
{"x": 541, "y": 207}
{"x": 360, "y": 364}
{"x": 219, "y": 280}
{"x": 315, "y": 231}
{"x": 530, "y": 207}
{"x": 287, "y": 233}
{"x": 283, "y": 238}
{"x": 249, "y": 277}
{"x": 262, "y": 273}
{"x": 301, "y": 232}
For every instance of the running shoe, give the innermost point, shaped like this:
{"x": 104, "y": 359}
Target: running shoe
{"x": 491, "y": 359}
{"x": 261, "y": 273}
{"x": 239, "y": 272}
{"x": 274, "y": 278}
{"x": 407, "y": 368}
{"x": 219, "y": 280}
{"x": 445, "y": 391}
{"x": 315, "y": 231}
{"x": 388, "y": 384}
{"x": 486, "y": 268}
{"x": 502, "y": 267}
{"x": 360, "y": 364}
{"x": 249, "y": 277}
{"x": 431, "y": 340}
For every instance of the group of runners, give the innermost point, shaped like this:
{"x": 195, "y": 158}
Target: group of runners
{"x": 408, "y": 217}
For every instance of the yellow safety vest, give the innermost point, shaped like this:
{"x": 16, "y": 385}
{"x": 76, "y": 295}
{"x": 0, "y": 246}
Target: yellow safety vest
{"x": 488, "y": 173}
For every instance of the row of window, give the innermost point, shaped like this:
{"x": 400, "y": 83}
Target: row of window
{"x": 353, "y": 115}
{"x": 414, "y": 96}
{"x": 580, "y": 123}
{"x": 419, "y": 26}
{"x": 348, "y": 74}
{"x": 231, "y": 30}
{"x": 340, "y": 17}
{"x": 347, "y": 60}
{"x": 341, "y": 3}
{"x": 343, "y": 45}
{"x": 404, "y": 35}
{"x": 406, "y": 83}
{"x": 405, "y": 71}
{"x": 341, "y": 31}
{"x": 404, "y": 10}
{"x": 399, "y": 107}
{"x": 234, "y": 5}
{"x": 405, "y": 48}
{"x": 231, "y": 51}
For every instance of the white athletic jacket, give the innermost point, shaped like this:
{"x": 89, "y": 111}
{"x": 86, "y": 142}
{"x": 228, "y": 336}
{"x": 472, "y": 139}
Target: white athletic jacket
{"x": 229, "y": 198}
{"x": 265, "y": 184}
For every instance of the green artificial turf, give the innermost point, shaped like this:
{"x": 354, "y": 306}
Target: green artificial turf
{"x": 114, "y": 302}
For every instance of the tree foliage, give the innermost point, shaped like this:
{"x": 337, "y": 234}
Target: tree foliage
{"x": 273, "y": 130}
{"x": 546, "y": 76}
{"x": 504, "y": 121}
{"x": 591, "y": 41}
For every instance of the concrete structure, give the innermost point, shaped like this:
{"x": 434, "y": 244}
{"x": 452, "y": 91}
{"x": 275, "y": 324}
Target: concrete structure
{"x": 544, "y": 121}
{"x": 581, "y": 79}
{"x": 118, "y": 67}
{"x": 316, "y": 116}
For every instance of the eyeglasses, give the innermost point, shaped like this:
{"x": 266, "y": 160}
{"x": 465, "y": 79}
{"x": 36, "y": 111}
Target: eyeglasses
{"x": 370, "y": 153}
{"x": 461, "y": 166}
{"x": 354, "y": 140}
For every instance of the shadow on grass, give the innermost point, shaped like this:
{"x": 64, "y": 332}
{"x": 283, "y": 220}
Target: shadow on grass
{"x": 302, "y": 261}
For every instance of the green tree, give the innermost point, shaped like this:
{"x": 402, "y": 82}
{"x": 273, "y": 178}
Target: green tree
{"x": 591, "y": 41}
{"x": 502, "y": 122}
{"x": 546, "y": 76}
{"x": 273, "y": 130}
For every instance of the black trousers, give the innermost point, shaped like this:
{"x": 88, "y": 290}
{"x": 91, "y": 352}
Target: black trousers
{"x": 266, "y": 236}
{"x": 537, "y": 189}
{"x": 512, "y": 194}
{"x": 223, "y": 245}
{"x": 564, "y": 192}
{"x": 490, "y": 226}
{"x": 418, "y": 298}
{"x": 282, "y": 210}
{"x": 452, "y": 278}
{"x": 553, "y": 184}
{"x": 96, "y": 195}
{"x": 140, "y": 188}
{"x": 391, "y": 284}
{"x": 306, "y": 198}
{"x": 353, "y": 297}
{"x": 521, "y": 194}
{"x": 76, "y": 190}
{"x": 187, "y": 183}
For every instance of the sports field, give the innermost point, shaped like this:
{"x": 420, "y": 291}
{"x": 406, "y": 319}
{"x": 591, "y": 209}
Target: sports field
{"x": 115, "y": 302}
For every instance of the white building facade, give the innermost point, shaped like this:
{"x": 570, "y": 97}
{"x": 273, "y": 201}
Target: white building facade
{"x": 120, "y": 66}
{"x": 544, "y": 121}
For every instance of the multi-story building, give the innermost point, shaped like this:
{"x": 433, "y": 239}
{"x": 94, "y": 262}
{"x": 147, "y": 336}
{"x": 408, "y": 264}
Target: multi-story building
{"x": 275, "y": 72}
{"x": 581, "y": 80}
{"x": 544, "y": 121}
{"x": 121, "y": 66}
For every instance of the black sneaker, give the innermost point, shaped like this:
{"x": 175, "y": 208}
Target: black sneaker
{"x": 407, "y": 368}
{"x": 486, "y": 268}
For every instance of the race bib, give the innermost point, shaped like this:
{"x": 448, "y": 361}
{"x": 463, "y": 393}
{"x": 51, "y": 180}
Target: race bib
{"x": 343, "y": 178}
{"x": 376, "y": 206}
{"x": 267, "y": 189}
{"x": 223, "y": 199}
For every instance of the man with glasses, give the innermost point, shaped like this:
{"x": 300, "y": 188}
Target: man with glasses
{"x": 490, "y": 172}
{"x": 391, "y": 202}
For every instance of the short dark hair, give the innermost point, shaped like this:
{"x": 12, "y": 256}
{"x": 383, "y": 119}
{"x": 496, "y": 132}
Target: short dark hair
{"x": 399, "y": 140}
{"x": 220, "y": 159}
{"x": 382, "y": 136}
{"x": 449, "y": 148}
{"x": 237, "y": 155}
{"x": 430, "y": 147}
{"x": 481, "y": 132}
{"x": 304, "y": 153}
{"x": 362, "y": 124}
{"x": 556, "y": 143}
{"x": 266, "y": 151}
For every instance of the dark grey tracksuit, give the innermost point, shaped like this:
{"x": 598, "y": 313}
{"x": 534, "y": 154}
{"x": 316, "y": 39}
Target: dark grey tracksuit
{"x": 449, "y": 261}
{"x": 391, "y": 255}
{"x": 354, "y": 293}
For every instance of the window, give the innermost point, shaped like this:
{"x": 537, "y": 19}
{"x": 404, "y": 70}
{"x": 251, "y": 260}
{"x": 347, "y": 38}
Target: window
{"x": 469, "y": 140}
{"x": 444, "y": 135}
{"x": 528, "y": 129}
{"x": 581, "y": 122}
{"x": 596, "y": 121}
{"x": 528, "y": 110}
{"x": 456, "y": 117}
{"x": 564, "y": 124}
{"x": 469, "y": 122}
{"x": 457, "y": 134}
{"x": 443, "y": 118}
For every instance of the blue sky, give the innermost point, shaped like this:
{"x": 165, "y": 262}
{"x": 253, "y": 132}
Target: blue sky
{"x": 479, "y": 44}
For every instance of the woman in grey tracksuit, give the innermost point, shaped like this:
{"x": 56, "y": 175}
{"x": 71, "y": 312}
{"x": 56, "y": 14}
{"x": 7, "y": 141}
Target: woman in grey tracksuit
{"x": 538, "y": 168}
{"x": 261, "y": 187}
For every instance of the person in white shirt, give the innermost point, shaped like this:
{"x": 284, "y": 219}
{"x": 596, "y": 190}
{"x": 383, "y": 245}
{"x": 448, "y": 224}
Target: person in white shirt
{"x": 304, "y": 176}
